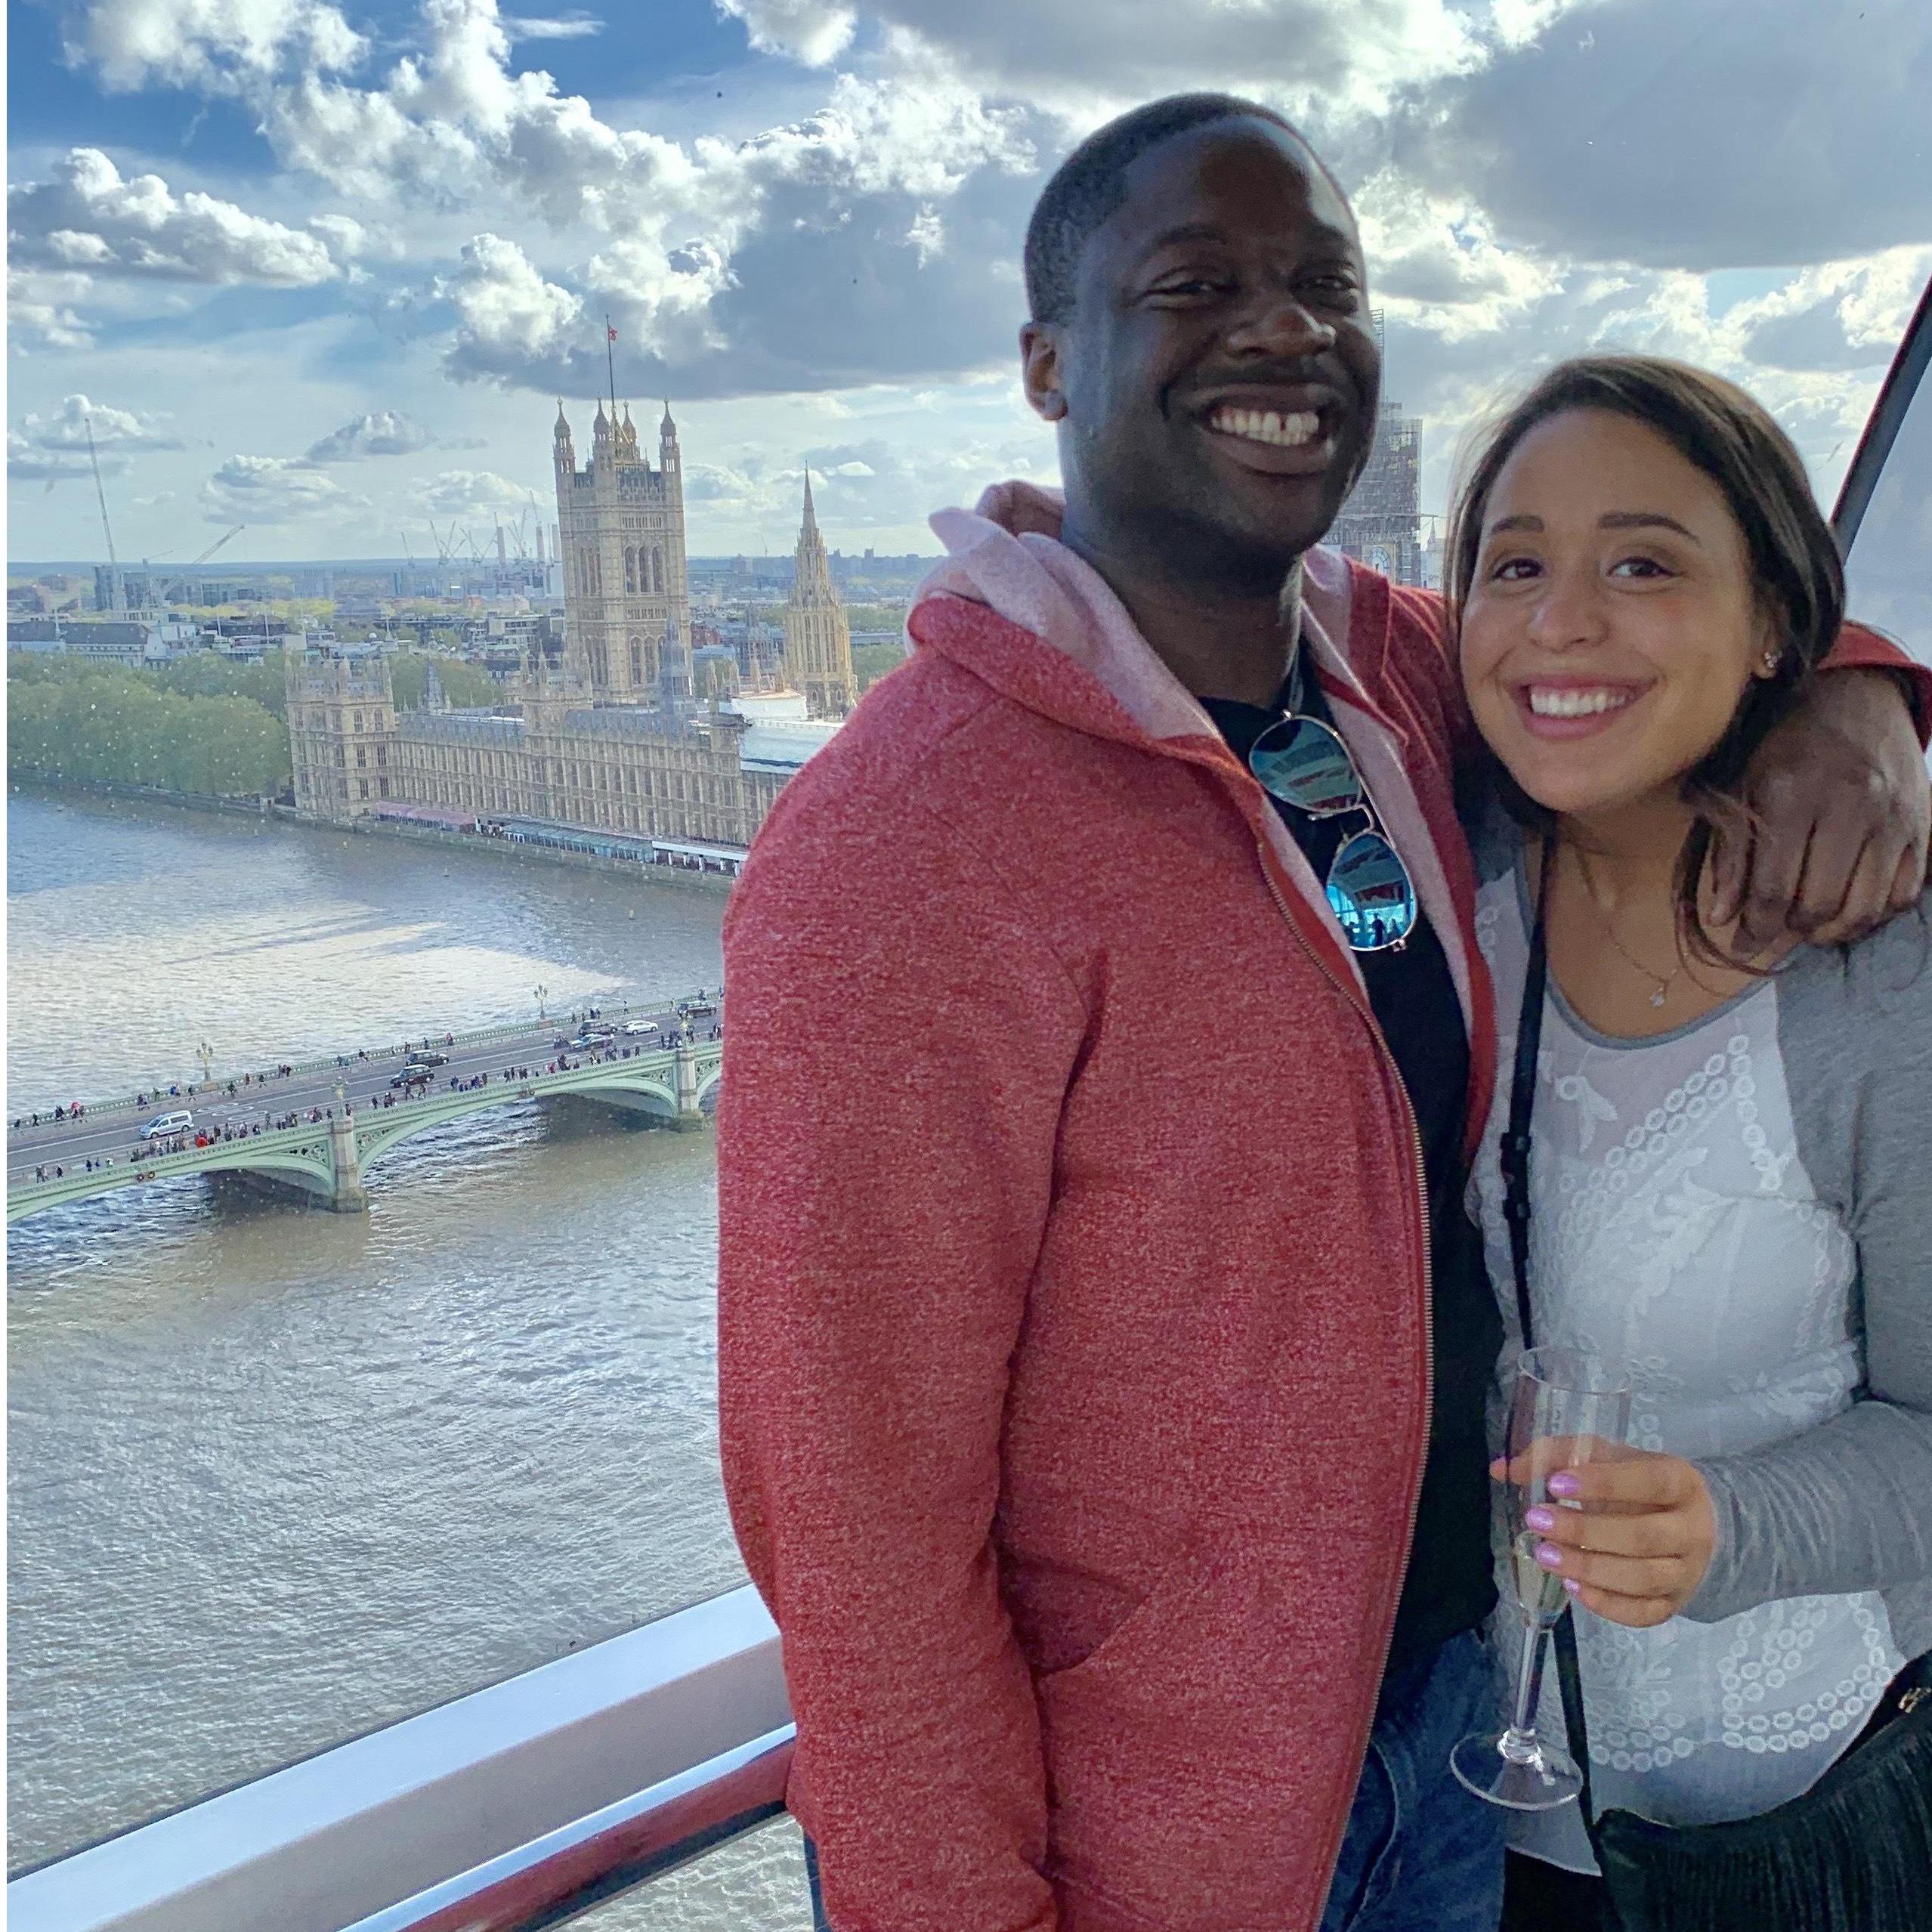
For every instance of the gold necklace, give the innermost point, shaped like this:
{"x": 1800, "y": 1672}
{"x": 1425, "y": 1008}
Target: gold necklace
{"x": 1663, "y": 983}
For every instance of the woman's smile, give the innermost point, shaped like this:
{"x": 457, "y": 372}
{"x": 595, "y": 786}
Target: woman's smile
{"x": 1568, "y": 705}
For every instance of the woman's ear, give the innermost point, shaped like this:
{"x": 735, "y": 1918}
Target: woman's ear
{"x": 1769, "y": 648}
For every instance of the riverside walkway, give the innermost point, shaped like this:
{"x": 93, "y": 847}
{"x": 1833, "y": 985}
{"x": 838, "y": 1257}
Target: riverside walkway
{"x": 317, "y": 1127}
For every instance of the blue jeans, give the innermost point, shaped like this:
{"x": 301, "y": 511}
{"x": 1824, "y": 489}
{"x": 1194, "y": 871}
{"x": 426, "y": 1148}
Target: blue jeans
{"x": 1421, "y": 1854}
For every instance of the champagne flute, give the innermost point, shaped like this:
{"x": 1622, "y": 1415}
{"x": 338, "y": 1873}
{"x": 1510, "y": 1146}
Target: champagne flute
{"x": 1566, "y": 1409}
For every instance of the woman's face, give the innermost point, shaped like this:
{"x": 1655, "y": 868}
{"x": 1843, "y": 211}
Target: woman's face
{"x": 1611, "y": 626}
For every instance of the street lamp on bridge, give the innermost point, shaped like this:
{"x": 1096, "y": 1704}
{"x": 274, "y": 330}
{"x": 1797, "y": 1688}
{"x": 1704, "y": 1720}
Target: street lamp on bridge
{"x": 205, "y": 1053}
{"x": 542, "y": 993}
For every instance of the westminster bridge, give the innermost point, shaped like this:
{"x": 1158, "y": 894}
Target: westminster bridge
{"x": 318, "y": 1127}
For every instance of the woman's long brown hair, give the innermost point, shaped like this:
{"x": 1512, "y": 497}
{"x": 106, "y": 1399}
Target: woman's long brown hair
{"x": 1796, "y": 575}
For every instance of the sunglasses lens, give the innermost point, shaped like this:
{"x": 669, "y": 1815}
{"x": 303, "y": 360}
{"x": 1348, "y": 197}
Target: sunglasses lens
{"x": 1371, "y": 893}
{"x": 1305, "y": 763}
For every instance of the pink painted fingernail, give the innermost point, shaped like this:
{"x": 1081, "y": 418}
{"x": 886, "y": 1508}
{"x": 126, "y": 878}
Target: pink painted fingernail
{"x": 1539, "y": 1518}
{"x": 1549, "y": 1555}
{"x": 1572, "y": 1585}
{"x": 1563, "y": 1484}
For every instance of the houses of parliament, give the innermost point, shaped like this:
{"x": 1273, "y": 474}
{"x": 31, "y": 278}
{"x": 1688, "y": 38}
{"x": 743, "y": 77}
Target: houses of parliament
{"x": 631, "y": 733}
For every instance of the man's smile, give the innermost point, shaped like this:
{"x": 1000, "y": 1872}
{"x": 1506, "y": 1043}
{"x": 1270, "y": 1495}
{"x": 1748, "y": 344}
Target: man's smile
{"x": 1276, "y": 428}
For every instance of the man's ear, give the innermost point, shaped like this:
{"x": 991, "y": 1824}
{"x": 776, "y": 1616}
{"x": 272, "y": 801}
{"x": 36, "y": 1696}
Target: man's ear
{"x": 1040, "y": 370}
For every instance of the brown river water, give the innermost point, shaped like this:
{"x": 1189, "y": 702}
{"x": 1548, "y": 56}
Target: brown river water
{"x": 277, "y": 1476}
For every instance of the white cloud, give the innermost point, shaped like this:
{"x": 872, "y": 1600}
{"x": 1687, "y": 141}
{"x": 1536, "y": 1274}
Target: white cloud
{"x": 567, "y": 26}
{"x": 85, "y": 215}
{"x": 480, "y": 493}
{"x": 27, "y": 461}
{"x": 208, "y": 43}
{"x": 1837, "y": 315}
{"x": 41, "y": 312}
{"x": 507, "y": 315}
{"x": 259, "y": 490}
{"x": 1533, "y": 176}
{"x": 1318, "y": 58}
{"x": 65, "y": 426}
{"x": 1682, "y": 137}
{"x": 375, "y": 433}
{"x": 815, "y": 32}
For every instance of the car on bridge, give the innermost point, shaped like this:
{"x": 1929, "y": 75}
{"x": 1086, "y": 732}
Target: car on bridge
{"x": 635, "y": 1027}
{"x": 697, "y": 1010}
{"x": 422, "y": 1057}
{"x": 411, "y": 1076}
{"x": 163, "y": 1125}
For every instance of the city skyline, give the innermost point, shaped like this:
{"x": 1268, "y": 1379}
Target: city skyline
{"x": 319, "y": 270}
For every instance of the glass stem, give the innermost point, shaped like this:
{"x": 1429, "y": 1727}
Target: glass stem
{"x": 1529, "y": 1680}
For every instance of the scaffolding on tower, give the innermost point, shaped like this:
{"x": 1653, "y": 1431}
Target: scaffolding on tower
{"x": 1380, "y": 524}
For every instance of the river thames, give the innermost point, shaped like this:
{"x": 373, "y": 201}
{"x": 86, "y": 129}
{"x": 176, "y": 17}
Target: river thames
{"x": 277, "y": 1476}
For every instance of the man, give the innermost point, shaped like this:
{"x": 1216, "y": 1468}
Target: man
{"x": 1078, "y": 1294}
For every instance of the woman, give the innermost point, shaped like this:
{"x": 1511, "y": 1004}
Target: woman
{"x": 1731, "y": 1180}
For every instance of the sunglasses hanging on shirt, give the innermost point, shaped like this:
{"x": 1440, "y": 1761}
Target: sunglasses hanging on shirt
{"x": 1305, "y": 763}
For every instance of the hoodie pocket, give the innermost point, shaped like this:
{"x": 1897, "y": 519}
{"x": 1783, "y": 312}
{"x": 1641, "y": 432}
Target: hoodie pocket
{"x": 1154, "y": 1746}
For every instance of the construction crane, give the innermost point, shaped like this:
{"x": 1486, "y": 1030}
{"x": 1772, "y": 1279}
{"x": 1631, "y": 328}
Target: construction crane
{"x": 155, "y": 589}
{"x": 117, "y": 600}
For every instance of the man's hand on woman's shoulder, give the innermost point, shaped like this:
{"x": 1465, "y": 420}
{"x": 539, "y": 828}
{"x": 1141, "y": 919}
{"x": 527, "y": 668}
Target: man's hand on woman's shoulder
{"x": 1840, "y": 817}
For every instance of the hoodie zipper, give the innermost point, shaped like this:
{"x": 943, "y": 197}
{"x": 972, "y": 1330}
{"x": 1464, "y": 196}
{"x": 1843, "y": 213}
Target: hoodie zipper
{"x": 1428, "y": 1283}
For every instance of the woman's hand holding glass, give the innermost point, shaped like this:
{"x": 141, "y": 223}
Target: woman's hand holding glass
{"x": 1634, "y": 1539}
{"x": 1567, "y": 1411}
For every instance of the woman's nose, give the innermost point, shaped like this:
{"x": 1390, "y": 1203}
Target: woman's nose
{"x": 1568, "y": 613}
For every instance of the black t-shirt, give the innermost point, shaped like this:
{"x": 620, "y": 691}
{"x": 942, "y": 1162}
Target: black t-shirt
{"x": 1448, "y": 1588}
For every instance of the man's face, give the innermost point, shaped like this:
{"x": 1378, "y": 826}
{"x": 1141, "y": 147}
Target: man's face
{"x": 1217, "y": 380}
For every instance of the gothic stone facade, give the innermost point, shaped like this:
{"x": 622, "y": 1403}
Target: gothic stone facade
{"x": 616, "y": 768}
{"x": 818, "y": 642}
{"x": 620, "y": 527}
{"x": 341, "y": 730}
{"x": 615, "y": 741}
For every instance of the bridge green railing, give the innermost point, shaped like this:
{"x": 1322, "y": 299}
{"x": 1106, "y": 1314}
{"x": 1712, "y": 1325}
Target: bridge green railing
{"x": 613, "y": 1006}
{"x": 329, "y": 1158}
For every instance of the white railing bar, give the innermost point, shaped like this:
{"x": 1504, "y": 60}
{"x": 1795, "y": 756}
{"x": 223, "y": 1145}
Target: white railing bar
{"x": 626, "y": 1844}
{"x": 317, "y": 1845}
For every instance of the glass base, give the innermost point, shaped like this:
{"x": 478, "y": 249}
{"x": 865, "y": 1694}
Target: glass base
{"x": 1517, "y": 1769}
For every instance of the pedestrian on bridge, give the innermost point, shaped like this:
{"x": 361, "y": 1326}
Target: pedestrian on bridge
{"x": 1079, "y": 1421}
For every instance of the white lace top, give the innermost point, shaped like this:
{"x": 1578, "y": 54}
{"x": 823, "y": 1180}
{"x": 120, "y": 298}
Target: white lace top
{"x": 1675, "y": 1229}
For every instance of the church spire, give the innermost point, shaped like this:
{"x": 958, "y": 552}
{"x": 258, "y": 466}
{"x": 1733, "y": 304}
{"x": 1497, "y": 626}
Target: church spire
{"x": 818, "y": 651}
{"x": 811, "y": 578}
{"x": 563, "y": 424}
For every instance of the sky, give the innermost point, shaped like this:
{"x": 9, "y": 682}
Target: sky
{"x": 323, "y": 271}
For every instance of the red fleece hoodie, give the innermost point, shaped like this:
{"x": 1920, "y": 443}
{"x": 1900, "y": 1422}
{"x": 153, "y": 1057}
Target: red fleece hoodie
{"x": 1073, "y": 1300}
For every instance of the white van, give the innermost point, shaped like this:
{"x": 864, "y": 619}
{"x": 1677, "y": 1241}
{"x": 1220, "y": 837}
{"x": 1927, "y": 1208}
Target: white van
{"x": 164, "y": 1126}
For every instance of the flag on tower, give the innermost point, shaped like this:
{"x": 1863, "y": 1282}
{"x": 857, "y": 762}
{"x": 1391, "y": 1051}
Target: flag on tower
{"x": 610, "y": 334}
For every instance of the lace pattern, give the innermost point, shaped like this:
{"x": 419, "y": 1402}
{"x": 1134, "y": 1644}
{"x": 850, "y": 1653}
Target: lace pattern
{"x": 1673, "y": 1228}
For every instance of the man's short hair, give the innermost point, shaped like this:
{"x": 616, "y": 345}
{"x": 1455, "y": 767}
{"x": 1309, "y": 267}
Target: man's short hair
{"x": 1090, "y": 183}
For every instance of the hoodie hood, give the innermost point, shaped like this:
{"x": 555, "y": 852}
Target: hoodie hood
{"x": 1006, "y": 553}
{"x": 1098, "y": 674}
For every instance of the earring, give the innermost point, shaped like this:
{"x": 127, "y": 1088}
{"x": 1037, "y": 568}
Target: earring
{"x": 1771, "y": 660}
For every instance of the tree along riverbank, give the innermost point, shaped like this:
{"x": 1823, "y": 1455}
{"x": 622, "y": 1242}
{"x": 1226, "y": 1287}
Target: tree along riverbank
{"x": 203, "y": 725}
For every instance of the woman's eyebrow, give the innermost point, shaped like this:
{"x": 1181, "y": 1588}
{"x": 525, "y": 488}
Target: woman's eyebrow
{"x": 1610, "y": 520}
{"x": 1644, "y": 520}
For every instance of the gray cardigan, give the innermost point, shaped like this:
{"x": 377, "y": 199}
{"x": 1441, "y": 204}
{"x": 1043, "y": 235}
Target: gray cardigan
{"x": 1847, "y": 1506}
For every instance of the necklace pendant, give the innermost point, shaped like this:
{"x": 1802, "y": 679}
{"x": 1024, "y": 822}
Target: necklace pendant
{"x": 1657, "y": 998}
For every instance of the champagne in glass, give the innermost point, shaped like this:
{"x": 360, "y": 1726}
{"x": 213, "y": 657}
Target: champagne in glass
{"x": 1565, "y": 1410}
